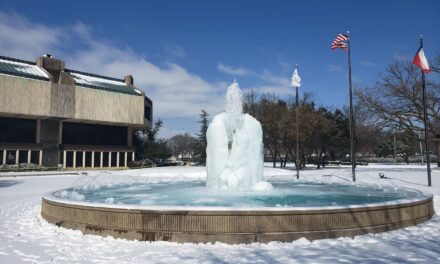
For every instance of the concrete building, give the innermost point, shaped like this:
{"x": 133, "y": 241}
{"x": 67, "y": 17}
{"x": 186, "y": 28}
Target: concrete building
{"x": 54, "y": 116}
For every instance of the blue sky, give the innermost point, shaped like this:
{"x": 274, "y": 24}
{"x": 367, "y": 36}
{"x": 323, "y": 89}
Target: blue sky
{"x": 185, "y": 53}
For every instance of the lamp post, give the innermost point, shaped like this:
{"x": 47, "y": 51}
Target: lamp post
{"x": 296, "y": 82}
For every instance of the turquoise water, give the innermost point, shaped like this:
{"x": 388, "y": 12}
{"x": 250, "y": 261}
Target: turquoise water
{"x": 285, "y": 194}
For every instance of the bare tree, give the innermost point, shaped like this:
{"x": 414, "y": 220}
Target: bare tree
{"x": 395, "y": 102}
{"x": 182, "y": 145}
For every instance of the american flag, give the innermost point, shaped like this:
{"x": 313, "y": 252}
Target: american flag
{"x": 340, "y": 42}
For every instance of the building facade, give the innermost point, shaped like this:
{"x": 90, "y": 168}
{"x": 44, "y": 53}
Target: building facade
{"x": 54, "y": 116}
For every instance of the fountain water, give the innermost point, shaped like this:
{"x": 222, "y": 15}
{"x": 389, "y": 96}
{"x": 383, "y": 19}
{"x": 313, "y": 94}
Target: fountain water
{"x": 235, "y": 148}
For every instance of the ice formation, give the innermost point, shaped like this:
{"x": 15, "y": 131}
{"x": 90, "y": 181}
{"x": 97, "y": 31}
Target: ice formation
{"x": 235, "y": 148}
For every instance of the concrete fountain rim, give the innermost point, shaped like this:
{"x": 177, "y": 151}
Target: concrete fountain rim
{"x": 423, "y": 196}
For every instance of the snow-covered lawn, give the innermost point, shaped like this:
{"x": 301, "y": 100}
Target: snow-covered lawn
{"x": 26, "y": 238}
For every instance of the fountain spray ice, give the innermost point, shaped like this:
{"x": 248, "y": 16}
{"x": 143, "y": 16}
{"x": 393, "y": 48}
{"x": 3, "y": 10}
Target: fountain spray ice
{"x": 235, "y": 148}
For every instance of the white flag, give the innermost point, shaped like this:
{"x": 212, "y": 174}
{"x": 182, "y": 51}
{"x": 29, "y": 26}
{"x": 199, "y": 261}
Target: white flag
{"x": 296, "y": 80}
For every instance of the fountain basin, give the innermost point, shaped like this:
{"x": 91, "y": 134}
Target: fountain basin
{"x": 237, "y": 224}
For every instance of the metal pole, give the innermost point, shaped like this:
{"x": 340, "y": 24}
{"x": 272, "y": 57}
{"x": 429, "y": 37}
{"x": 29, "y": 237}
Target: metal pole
{"x": 421, "y": 148}
{"x": 297, "y": 135}
{"x": 352, "y": 152}
{"x": 425, "y": 121}
{"x": 394, "y": 146}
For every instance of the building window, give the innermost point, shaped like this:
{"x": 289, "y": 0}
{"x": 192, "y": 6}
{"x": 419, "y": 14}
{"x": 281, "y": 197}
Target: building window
{"x": 17, "y": 130}
{"x": 147, "y": 112}
{"x": 94, "y": 135}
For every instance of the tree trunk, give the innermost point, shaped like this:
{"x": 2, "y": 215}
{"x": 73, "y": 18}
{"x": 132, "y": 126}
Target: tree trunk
{"x": 438, "y": 153}
{"x": 318, "y": 160}
{"x": 285, "y": 160}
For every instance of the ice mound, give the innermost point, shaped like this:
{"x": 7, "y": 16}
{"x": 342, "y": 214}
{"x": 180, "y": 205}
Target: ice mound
{"x": 235, "y": 148}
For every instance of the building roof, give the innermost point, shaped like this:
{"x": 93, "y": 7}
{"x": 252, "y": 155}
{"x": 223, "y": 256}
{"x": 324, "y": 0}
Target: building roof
{"x": 28, "y": 69}
{"x": 22, "y": 68}
{"x": 102, "y": 82}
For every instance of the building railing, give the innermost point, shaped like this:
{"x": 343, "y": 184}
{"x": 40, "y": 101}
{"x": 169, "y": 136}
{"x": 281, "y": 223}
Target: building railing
{"x": 74, "y": 156}
{"x": 15, "y": 153}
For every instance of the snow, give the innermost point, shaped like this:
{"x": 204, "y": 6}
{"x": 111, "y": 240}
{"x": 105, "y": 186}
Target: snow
{"x": 26, "y": 68}
{"x": 27, "y": 238}
{"x": 234, "y": 153}
{"x": 92, "y": 80}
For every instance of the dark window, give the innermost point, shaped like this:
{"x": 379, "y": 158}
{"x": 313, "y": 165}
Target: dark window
{"x": 105, "y": 159}
{"x": 17, "y": 130}
{"x": 95, "y": 135}
{"x": 114, "y": 159}
{"x": 23, "y": 156}
{"x": 10, "y": 156}
{"x": 69, "y": 158}
{"x": 147, "y": 112}
{"x": 79, "y": 159}
{"x": 35, "y": 157}
{"x": 97, "y": 159}
{"x": 88, "y": 159}
{"x": 148, "y": 104}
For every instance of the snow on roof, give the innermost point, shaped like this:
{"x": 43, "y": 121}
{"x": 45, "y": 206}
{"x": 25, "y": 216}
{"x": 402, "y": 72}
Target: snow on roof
{"x": 27, "y": 69}
{"x": 102, "y": 83}
{"x": 23, "y": 69}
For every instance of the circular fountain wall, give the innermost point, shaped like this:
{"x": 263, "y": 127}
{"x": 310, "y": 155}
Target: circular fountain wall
{"x": 277, "y": 211}
{"x": 190, "y": 212}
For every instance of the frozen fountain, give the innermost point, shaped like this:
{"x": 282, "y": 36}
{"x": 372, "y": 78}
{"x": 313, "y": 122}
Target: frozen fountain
{"x": 235, "y": 148}
{"x": 235, "y": 204}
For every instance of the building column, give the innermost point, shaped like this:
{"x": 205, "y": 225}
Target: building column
{"x": 60, "y": 133}
{"x": 132, "y": 156}
{"x": 117, "y": 159}
{"x": 74, "y": 159}
{"x": 38, "y": 132}
{"x": 17, "y": 156}
{"x": 64, "y": 159}
{"x": 40, "y": 158}
{"x": 109, "y": 159}
{"x": 125, "y": 159}
{"x": 129, "y": 136}
{"x": 29, "y": 156}
{"x": 4, "y": 156}
{"x": 84, "y": 159}
{"x": 93, "y": 159}
{"x": 102, "y": 159}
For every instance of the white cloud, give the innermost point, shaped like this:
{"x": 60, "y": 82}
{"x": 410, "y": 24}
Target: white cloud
{"x": 175, "y": 91}
{"x": 173, "y": 49}
{"x": 22, "y": 39}
{"x": 277, "y": 80}
{"x": 279, "y": 90}
{"x": 235, "y": 71}
{"x": 270, "y": 82}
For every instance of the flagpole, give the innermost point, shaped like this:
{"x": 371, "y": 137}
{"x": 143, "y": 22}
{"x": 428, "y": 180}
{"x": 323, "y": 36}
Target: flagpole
{"x": 352, "y": 152}
{"x": 425, "y": 121}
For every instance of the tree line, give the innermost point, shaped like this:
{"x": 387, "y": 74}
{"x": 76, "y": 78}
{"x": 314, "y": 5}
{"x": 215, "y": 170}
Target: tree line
{"x": 388, "y": 119}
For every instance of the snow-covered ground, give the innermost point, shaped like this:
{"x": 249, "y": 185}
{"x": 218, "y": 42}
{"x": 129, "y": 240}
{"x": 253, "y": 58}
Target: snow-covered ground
{"x": 27, "y": 238}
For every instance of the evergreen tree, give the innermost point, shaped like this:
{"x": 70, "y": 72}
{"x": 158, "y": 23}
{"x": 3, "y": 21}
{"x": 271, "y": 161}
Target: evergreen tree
{"x": 200, "y": 148}
{"x": 148, "y": 146}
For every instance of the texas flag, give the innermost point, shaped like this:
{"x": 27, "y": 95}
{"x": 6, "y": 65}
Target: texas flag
{"x": 421, "y": 61}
